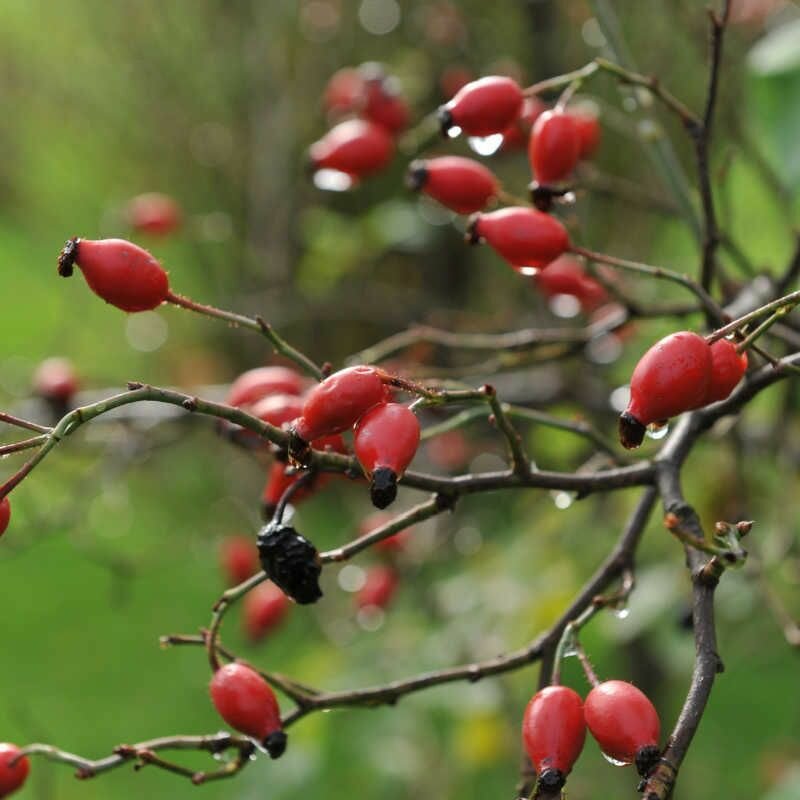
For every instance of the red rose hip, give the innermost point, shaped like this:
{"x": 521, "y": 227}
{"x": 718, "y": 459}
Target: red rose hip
{"x": 588, "y": 130}
{"x": 265, "y": 607}
{"x": 334, "y": 405}
{"x": 5, "y": 514}
{"x": 625, "y": 724}
{"x": 483, "y": 107}
{"x": 522, "y": 236}
{"x": 154, "y": 213}
{"x": 254, "y": 384}
{"x": 379, "y": 588}
{"x": 247, "y": 703}
{"x": 55, "y": 380}
{"x": 553, "y": 731}
{"x": 120, "y": 272}
{"x": 460, "y": 184}
{"x": 356, "y": 147}
{"x": 12, "y": 777}
{"x": 727, "y": 369}
{"x": 673, "y": 376}
{"x": 386, "y": 439}
{"x": 238, "y": 558}
{"x": 554, "y": 147}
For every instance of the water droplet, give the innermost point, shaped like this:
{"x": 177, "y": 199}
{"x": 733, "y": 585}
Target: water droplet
{"x": 371, "y": 618}
{"x": 621, "y": 613}
{"x": 352, "y": 578}
{"x": 655, "y": 431}
{"x": 618, "y": 399}
{"x": 570, "y": 651}
{"x": 565, "y": 306}
{"x": 528, "y": 271}
{"x": 486, "y": 145}
{"x": 331, "y": 180}
{"x": 453, "y": 132}
{"x": 563, "y": 500}
{"x": 615, "y": 762}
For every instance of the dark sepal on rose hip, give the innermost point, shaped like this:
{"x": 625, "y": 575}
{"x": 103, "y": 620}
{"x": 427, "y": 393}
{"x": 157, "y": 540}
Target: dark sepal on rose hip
{"x": 417, "y": 175}
{"x": 552, "y": 780}
{"x": 383, "y": 487}
{"x": 291, "y": 561}
{"x": 275, "y": 744}
{"x": 471, "y": 235}
{"x": 646, "y": 758}
{"x": 299, "y": 450}
{"x": 445, "y": 118}
{"x": 631, "y": 431}
{"x": 67, "y": 257}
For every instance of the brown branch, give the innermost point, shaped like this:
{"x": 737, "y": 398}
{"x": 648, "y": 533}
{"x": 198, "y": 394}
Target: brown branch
{"x": 701, "y": 135}
{"x": 145, "y": 753}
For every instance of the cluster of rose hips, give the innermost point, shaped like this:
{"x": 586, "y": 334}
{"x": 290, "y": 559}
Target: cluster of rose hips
{"x": 679, "y": 373}
{"x": 376, "y": 112}
{"x": 617, "y": 714}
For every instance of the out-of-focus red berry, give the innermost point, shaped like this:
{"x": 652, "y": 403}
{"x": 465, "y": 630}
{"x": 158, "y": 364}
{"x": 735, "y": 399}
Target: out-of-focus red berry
{"x": 379, "y": 588}
{"x": 254, "y": 384}
{"x": 154, "y": 213}
{"x": 483, "y": 107}
{"x": 55, "y": 379}
{"x": 555, "y": 146}
{"x": 356, "y": 147}
{"x": 12, "y": 777}
{"x": 265, "y": 608}
{"x": 461, "y": 184}
{"x": 238, "y": 557}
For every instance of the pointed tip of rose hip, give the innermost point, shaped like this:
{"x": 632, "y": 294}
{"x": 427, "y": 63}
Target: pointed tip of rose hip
{"x": 445, "y": 119}
{"x": 383, "y": 488}
{"x": 67, "y": 257}
{"x": 275, "y": 744}
{"x": 552, "y": 780}
{"x": 646, "y": 758}
{"x": 471, "y": 235}
{"x": 631, "y": 431}
{"x": 417, "y": 175}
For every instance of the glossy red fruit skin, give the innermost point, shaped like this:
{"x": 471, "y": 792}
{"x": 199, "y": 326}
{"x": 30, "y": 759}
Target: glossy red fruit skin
{"x": 118, "y": 271}
{"x": 589, "y": 131}
{"x": 461, "y": 184}
{"x": 336, "y": 404}
{"x": 566, "y": 276}
{"x": 483, "y": 107}
{"x": 55, "y": 379}
{"x": 553, "y": 731}
{"x": 238, "y": 557}
{"x": 5, "y": 514}
{"x": 254, "y": 384}
{"x": 522, "y": 236}
{"x": 247, "y": 703}
{"x": 727, "y": 369}
{"x": 357, "y": 147}
{"x": 671, "y": 377}
{"x": 383, "y": 100}
{"x": 554, "y": 147}
{"x": 386, "y": 440}
{"x": 517, "y": 134}
{"x": 12, "y": 778}
{"x": 154, "y": 213}
{"x": 624, "y": 722}
{"x": 393, "y": 544}
{"x": 379, "y": 588}
{"x": 265, "y": 608}
{"x": 344, "y": 91}
{"x": 278, "y": 409}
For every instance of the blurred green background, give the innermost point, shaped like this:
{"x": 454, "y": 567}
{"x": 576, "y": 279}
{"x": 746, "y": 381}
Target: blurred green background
{"x": 114, "y": 540}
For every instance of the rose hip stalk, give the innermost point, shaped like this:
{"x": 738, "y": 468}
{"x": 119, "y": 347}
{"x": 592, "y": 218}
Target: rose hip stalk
{"x": 120, "y": 272}
{"x": 386, "y": 439}
{"x": 553, "y": 731}
{"x": 247, "y": 703}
